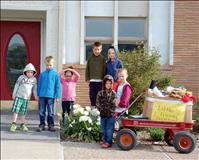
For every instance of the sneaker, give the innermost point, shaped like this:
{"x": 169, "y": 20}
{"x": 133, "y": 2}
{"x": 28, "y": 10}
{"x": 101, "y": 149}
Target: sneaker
{"x": 106, "y": 145}
{"x": 51, "y": 128}
{"x": 13, "y": 127}
{"x": 24, "y": 128}
{"x": 40, "y": 129}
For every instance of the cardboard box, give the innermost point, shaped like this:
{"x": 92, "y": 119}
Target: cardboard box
{"x": 167, "y": 109}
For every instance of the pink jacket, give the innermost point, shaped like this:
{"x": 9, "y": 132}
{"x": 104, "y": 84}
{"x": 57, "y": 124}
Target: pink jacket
{"x": 69, "y": 87}
{"x": 127, "y": 92}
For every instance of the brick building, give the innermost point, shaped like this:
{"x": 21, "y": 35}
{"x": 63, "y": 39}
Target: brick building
{"x": 186, "y": 44}
{"x": 66, "y": 30}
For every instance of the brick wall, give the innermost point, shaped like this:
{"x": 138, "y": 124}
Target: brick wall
{"x": 186, "y": 44}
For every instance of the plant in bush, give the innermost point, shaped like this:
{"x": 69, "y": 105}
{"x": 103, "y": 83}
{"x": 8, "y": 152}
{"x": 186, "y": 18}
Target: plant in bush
{"x": 143, "y": 66}
{"x": 83, "y": 124}
{"x": 157, "y": 134}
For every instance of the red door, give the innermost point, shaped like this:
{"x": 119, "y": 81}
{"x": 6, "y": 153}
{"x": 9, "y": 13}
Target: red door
{"x": 20, "y": 44}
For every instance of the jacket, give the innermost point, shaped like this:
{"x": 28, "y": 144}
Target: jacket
{"x": 49, "y": 84}
{"x": 69, "y": 87}
{"x": 126, "y": 94}
{"x": 95, "y": 68}
{"x": 105, "y": 103}
{"x": 112, "y": 67}
{"x": 24, "y": 86}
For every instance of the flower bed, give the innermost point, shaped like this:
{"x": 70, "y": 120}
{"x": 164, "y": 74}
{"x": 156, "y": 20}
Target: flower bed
{"x": 82, "y": 125}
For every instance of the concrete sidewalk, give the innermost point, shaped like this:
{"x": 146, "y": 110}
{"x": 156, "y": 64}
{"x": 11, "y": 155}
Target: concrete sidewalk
{"x": 46, "y": 145}
{"x": 146, "y": 151}
{"x": 30, "y": 145}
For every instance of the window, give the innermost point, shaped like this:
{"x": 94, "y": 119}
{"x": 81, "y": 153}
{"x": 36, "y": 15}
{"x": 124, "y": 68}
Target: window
{"x": 129, "y": 27}
{"x": 98, "y": 29}
{"x": 16, "y": 59}
{"x": 130, "y": 31}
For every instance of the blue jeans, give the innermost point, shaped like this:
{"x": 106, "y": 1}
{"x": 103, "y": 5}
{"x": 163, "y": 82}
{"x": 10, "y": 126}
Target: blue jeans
{"x": 107, "y": 128}
{"x": 45, "y": 102}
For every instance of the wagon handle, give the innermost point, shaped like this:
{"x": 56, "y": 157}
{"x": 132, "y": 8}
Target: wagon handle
{"x": 140, "y": 95}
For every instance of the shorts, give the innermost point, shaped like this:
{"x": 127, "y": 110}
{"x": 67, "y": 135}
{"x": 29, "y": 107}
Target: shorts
{"x": 20, "y": 105}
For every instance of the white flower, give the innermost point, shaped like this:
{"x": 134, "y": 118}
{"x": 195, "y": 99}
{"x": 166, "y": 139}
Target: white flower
{"x": 88, "y": 108}
{"x": 95, "y": 112}
{"x": 86, "y": 113}
{"x": 70, "y": 125}
{"x": 79, "y": 110}
{"x": 84, "y": 119}
{"x": 73, "y": 122}
{"x": 75, "y": 111}
{"x": 90, "y": 120}
{"x": 76, "y": 106}
{"x": 98, "y": 123}
{"x": 98, "y": 119}
{"x": 89, "y": 128}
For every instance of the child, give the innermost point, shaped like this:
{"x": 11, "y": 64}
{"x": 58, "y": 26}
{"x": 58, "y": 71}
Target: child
{"x": 69, "y": 78}
{"x": 95, "y": 71}
{"x": 113, "y": 63}
{"x": 123, "y": 90}
{"x": 21, "y": 96}
{"x": 48, "y": 91}
{"x": 106, "y": 99}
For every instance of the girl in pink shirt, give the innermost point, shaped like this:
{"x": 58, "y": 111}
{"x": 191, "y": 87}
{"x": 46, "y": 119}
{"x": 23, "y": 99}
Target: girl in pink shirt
{"x": 69, "y": 78}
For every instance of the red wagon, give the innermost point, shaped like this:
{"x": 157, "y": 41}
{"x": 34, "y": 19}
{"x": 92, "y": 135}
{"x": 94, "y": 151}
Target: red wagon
{"x": 176, "y": 133}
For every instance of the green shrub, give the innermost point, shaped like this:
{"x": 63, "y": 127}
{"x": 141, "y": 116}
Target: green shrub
{"x": 143, "y": 66}
{"x": 157, "y": 134}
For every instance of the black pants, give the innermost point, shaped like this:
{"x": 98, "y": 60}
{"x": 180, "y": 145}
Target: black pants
{"x": 94, "y": 88}
{"x": 67, "y": 106}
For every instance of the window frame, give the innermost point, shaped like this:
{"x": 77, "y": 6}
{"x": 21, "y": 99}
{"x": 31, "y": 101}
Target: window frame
{"x": 130, "y": 40}
{"x": 89, "y": 40}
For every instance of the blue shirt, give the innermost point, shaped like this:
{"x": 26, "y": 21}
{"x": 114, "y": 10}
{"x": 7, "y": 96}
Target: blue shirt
{"x": 49, "y": 84}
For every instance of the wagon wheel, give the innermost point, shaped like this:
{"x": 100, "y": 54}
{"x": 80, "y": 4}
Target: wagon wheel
{"x": 126, "y": 139}
{"x": 184, "y": 142}
{"x": 168, "y": 138}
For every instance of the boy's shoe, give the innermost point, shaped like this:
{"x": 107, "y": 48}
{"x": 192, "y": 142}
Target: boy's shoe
{"x": 13, "y": 127}
{"x": 51, "y": 128}
{"x": 23, "y": 128}
{"x": 40, "y": 129}
{"x": 106, "y": 145}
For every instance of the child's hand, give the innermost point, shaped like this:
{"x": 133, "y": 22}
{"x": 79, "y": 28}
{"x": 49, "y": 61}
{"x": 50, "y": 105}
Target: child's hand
{"x": 13, "y": 97}
{"x": 69, "y": 69}
{"x": 56, "y": 99}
